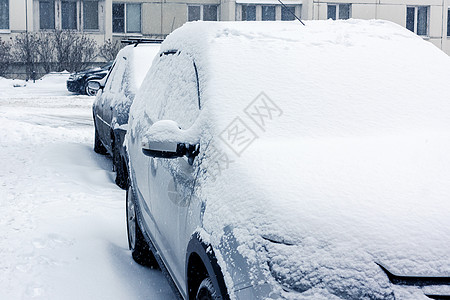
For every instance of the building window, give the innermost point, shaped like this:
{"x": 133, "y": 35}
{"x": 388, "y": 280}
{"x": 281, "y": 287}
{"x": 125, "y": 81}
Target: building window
{"x": 344, "y": 11}
{"x": 194, "y": 12}
{"x": 69, "y": 15}
{"x": 248, "y": 12}
{"x": 90, "y": 15}
{"x": 287, "y": 13}
{"x": 126, "y": 18}
{"x": 209, "y": 12}
{"x": 331, "y": 11}
{"x": 338, "y": 11}
{"x": 268, "y": 13}
{"x": 47, "y": 14}
{"x": 202, "y": 12}
{"x": 410, "y": 17}
{"x": 448, "y": 22}
{"x": 118, "y": 17}
{"x": 4, "y": 14}
{"x": 417, "y": 19}
{"x": 133, "y": 18}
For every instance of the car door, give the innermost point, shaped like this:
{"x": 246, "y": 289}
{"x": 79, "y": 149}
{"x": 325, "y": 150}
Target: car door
{"x": 98, "y": 112}
{"x": 171, "y": 181}
{"x": 100, "y": 105}
{"x": 114, "y": 88}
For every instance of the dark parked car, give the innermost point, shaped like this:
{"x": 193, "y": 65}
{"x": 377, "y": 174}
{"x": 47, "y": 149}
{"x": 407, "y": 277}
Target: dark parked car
{"x": 271, "y": 160}
{"x": 79, "y": 82}
{"x": 112, "y": 104}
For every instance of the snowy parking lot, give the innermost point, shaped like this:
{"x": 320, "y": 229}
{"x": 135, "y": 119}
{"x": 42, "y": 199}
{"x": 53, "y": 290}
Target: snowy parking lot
{"x": 62, "y": 223}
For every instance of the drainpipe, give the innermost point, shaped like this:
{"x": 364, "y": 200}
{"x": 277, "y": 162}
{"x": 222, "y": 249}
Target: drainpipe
{"x": 27, "y": 66}
{"x": 443, "y": 23}
{"x": 26, "y": 16}
{"x": 318, "y": 10}
{"x": 161, "y": 18}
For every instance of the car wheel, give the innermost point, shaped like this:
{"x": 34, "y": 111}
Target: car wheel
{"x": 115, "y": 155}
{"x": 140, "y": 250}
{"x": 98, "y": 146}
{"x": 120, "y": 168}
{"x": 206, "y": 290}
{"x": 89, "y": 91}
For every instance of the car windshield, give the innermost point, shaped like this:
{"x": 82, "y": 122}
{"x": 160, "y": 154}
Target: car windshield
{"x": 107, "y": 66}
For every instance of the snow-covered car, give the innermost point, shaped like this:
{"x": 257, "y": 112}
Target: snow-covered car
{"x": 272, "y": 160}
{"x": 112, "y": 104}
{"x": 79, "y": 82}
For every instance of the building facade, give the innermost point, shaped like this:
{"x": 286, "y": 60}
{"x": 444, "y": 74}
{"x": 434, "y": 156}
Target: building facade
{"x": 110, "y": 19}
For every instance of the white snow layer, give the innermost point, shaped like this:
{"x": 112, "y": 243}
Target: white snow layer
{"x": 349, "y": 164}
{"x": 131, "y": 65}
{"x": 62, "y": 219}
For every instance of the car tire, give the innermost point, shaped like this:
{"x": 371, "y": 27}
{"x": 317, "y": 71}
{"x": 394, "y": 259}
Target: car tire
{"x": 115, "y": 154}
{"x": 98, "y": 146}
{"x": 88, "y": 91}
{"x": 120, "y": 168}
{"x": 140, "y": 251}
{"x": 207, "y": 291}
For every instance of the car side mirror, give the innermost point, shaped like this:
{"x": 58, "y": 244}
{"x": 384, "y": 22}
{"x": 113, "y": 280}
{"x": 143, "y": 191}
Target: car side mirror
{"x": 94, "y": 85}
{"x": 165, "y": 139}
{"x": 163, "y": 149}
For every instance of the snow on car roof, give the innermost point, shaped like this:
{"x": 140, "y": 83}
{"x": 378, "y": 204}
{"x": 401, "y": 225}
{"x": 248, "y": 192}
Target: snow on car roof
{"x": 198, "y": 34}
{"x": 352, "y": 72}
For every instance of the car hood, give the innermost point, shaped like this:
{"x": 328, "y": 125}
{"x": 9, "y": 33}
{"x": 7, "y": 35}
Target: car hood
{"x": 91, "y": 71}
{"x": 333, "y": 208}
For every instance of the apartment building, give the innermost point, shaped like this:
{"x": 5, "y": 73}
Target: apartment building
{"x": 110, "y": 19}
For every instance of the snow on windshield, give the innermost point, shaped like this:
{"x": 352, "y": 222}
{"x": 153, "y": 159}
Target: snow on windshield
{"x": 132, "y": 64}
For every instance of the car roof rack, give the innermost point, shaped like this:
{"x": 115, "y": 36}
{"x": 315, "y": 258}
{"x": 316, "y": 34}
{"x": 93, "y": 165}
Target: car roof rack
{"x": 137, "y": 41}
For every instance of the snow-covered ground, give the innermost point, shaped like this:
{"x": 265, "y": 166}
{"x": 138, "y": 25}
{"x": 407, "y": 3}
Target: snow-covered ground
{"x": 62, "y": 219}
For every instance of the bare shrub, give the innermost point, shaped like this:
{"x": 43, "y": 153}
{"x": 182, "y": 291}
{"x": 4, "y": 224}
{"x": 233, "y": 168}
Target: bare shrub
{"x": 25, "y": 51}
{"x": 57, "y": 50}
{"x": 108, "y": 51}
{"x": 74, "y": 51}
{"x": 46, "y": 49}
{"x": 5, "y": 57}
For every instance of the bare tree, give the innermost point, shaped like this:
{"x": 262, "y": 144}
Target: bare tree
{"x": 109, "y": 50}
{"x": 45, "y": 48}
{"x": 25, "y": 51}
{"x": 87, "y": 51}
{"x": 74, "y": 51}
{"x": 5, "y": 57}
{"x": 53, "y": 51}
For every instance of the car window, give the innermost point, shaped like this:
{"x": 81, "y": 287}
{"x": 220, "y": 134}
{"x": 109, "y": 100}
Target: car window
{"x": 113, "y": 85}
{"x": 110, "y": 76}
{"x": 125, "y": 83}
{"x": 173, "y": 90}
